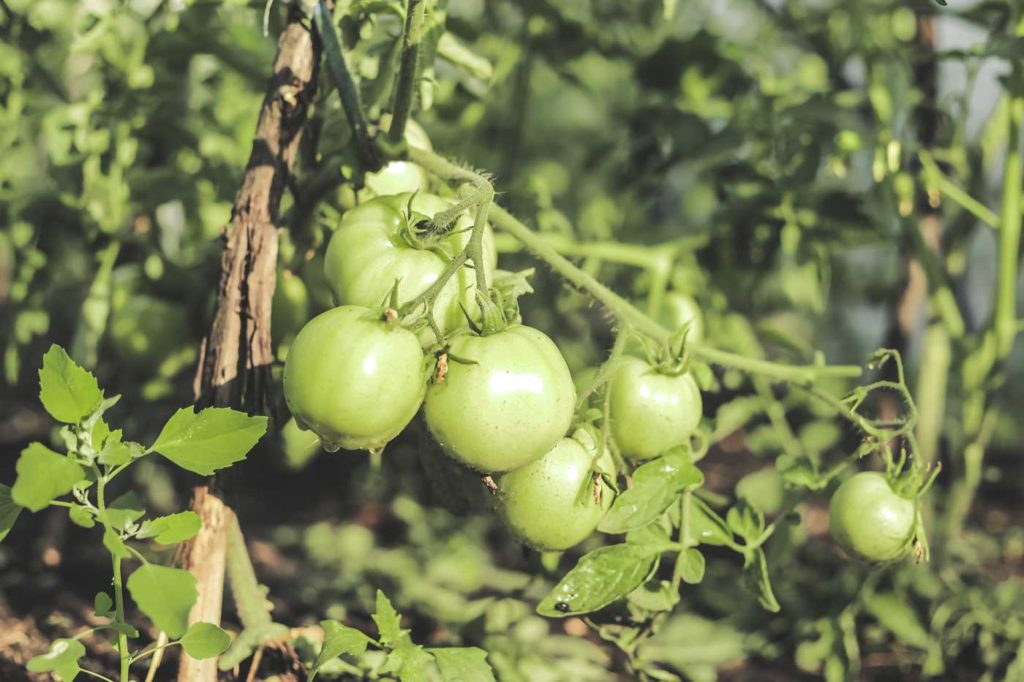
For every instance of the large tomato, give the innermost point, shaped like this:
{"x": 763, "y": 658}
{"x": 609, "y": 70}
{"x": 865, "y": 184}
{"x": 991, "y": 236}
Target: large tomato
{"x": 870, "y": 520}
{"x": 371, "y": 249}
{"x": 507, "y": 399}
{"x": 354, "y": 379}
{"x": 554, "y": 503}
{"x": 651, "y": 411}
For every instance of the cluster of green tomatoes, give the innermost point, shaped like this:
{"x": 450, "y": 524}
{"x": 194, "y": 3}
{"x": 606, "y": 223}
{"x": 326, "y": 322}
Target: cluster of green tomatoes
{"x": 495, "y": 394}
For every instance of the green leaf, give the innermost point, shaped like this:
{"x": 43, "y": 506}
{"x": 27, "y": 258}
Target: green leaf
{"x": 463, "y": 664}
{"x": 81, "y": 515}
{"x": 745, "y": 520}
{"x": 68, "y": 392}
{"x": 61, "y": 659}
{"x": 103, "y": 605}
{"x": 707, "y": 527}
{"x": 123, "y": 511}
{"x": 600, "y": 578}
{"x": 100, "y": 433}
{"x": 165, "y": 595}
{"x": 43, "y": 475}
{"x": 656, "y": 485}
{"x": 211, "y": 439}
{"x": 654, "y": 595}
{"x": 8, "y": 511}
{"x": 388, "y": 621}
{"x": 755, "y": 579}
{"x": 339, "y": 640}
{"x": 411, "y": 661}
{"x": 691, "y": 565}
{"x": 205, "y": 640}
{"x": 171, "y": 529}
{"x": 116, "y": 452}
{"x": 114, "y": 544}
{"x": 896, "y": 616}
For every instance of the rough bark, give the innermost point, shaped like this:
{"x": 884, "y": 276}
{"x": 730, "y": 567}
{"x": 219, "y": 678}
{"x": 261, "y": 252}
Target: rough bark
{"x": 234, "y": 367}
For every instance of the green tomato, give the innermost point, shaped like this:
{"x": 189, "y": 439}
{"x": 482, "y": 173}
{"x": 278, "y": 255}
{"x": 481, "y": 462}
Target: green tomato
{"x": 550, "y": 504}
{"x": 398, "y": 177}
{"x": 870, "y": 520}
{"x": 371, "y": 249}
{"x": 290, "y": 306}
{"x": 651, "y": 411}
{"x": 507, "y": 399}
{"x": 354, "y": 379}
{"x": 145, "y": 330}
{"x": 679, "y": 309}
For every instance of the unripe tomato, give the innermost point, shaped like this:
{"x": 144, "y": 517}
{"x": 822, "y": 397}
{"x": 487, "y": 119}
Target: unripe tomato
{"x": 870, "y": 520}
{"x": 651, "y": 411}
{"x": 397, "y": 177}
{"x": 506, "y": 403}
{"x": 679, "y": 309}
{"x": 371, "y": 249}
{"x": 145, "y": 330}
{"x": 353, "y": 379}
{"x": 290, "y": 306}
{"x": 551, "y": 504}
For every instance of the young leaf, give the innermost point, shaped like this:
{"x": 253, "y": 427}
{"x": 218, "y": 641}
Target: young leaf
{"x": 745, "y": 521}
{"x": 61, "y": 659}
{"x": 8, "y": 511}
{"x": 171, "y": 529}
{"x": 692, "y": 565}
{"x": 43, "y": 475}
{"x": 68, "y": 392}
{"x": 707, "y": 527}
{"x": 410, "y": 661}
{"x": 81, "y": 515}
{"x": 600, "y": 578}
{"x": 388, "y": 621}
{"x": 459, "y": 664}
{"x": 116, "y": 452}
{"x": 338, "y": 640}
{"x": 205, "y": 640}
{"x": 103, "y": 605}
{"x": 114, "y": 544}
{"x": 755, "y": 579}
{"x": 165, "y": 595}
{"x": 211, "y": 439}
{"x": 124, "y": 510}
{"x": 656, "y": 485}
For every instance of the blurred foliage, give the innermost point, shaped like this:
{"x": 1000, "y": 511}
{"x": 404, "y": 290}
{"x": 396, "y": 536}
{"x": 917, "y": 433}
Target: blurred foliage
{"x": 760, "y": 156}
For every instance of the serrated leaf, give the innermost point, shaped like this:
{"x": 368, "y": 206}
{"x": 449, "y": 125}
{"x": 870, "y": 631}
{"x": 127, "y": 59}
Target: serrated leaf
{"x": 410, "y": 661}
{"x": 205, "y": 640}
{"x": 68, "y": 392}
{"x": 601, "y": 577}
{"x": 124, "y": 510}
{"x": 463, "y": 664}
{"x": 165, "y": 595}
{"x": 339, "y": 640}
{"x": 211, "y": 439}
{"x": 116, "y": 451}
{"x": 656, "y": 485}
{"x": 755, "y": 579}
{"x": 388, "y": 621}
{"x": 100, "y": 432}
{"x": 43, "y": 476}
{"x": 171, "y": 529}
{"x": 61, "y": 659}
{"x": 8, "y": 511}
{"x": 103, "y": 605}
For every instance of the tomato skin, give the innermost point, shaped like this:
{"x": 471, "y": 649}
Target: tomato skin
{"x": 368, "y": 252}
{"x": 507, "y": 409}
{"x": 354, "y": 380}
{"x": 145, "y": 330}
{"x": 549, "y": 504}
{"x": 869, "y": 520}
{"x": 650, "y": 411}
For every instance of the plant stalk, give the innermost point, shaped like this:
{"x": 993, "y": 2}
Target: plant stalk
{"x": 406, "y": 85}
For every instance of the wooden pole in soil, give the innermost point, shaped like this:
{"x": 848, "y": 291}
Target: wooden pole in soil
{"x": 236, "y": 355}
